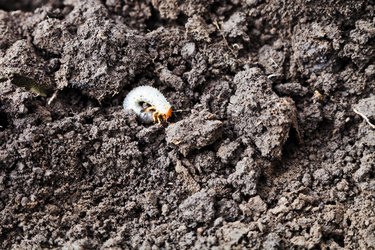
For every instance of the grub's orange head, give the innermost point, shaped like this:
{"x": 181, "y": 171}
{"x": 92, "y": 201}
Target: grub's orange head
{"x": 168, "y": 113}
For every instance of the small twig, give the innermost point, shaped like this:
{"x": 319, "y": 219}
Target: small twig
{"x": 364, "y": 117}
{"x": 225, "y": 40}
{"x": 273, "y": 75}
{"x": 52, "y": 97}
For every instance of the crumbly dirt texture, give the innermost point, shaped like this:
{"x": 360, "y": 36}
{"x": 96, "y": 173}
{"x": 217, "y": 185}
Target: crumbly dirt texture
{"x": 270, "y": 145}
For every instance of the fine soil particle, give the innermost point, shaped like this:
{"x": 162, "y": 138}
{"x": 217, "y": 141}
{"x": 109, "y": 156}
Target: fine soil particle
{"x": 271, "y": 144}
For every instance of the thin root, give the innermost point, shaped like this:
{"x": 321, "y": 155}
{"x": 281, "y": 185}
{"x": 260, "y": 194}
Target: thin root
{"x": 52, "y": 98}
{"x": 364, "y": 117}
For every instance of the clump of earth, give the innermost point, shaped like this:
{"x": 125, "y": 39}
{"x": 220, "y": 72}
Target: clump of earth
{"x": 271, "y": 144}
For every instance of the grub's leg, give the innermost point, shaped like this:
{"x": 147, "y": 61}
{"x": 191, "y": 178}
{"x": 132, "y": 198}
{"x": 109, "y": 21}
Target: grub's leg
{"x": 154, "y": 116}
{"x": 158, "y": 118}
{"x": 150, "y": 109}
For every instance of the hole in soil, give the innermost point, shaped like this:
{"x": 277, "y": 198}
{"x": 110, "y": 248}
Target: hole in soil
{"x": 75, "y": 97}
{"x": 338, "y": 238}
{"x": 88, "y": 120}
{"x": 31, "y": 85}
{"x": 341, "y": 63}
{"x": 24, "y": 5}
{"x": 348, "y": 222}
{"x": 82, "y": 214}
{"x": 154, "y": 21}
{"x": 71, "y": 101}
{"x": 182, "y": 19}
{"x": 371, "y": 175}
{"x": 292, "y": 144}
{"x": 3, "y": 121}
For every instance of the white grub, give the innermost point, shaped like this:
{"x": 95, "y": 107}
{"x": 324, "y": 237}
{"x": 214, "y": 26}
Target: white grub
{"x": 160, "y": 109}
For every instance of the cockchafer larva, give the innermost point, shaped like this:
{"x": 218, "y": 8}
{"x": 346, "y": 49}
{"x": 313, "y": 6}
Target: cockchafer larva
{"x": 159, "y": 110}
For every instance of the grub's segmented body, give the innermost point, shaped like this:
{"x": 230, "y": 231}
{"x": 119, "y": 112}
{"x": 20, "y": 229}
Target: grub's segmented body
{"x": 160, "y": 109}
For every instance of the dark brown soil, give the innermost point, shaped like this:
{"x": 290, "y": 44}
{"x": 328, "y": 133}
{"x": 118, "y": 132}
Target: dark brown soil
{"x": 271, "y": 145}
